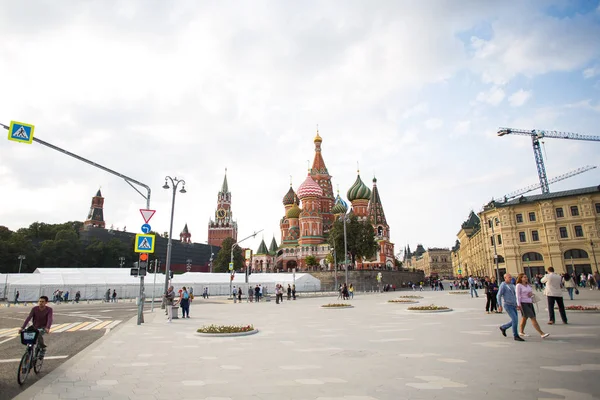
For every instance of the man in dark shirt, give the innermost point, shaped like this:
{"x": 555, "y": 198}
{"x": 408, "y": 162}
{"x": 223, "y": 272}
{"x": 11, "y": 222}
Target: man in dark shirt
{"x": 41, "y": 317}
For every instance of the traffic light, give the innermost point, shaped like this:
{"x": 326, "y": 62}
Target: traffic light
{"x": 170, "y": 274}
{"x": 143, "y": 264}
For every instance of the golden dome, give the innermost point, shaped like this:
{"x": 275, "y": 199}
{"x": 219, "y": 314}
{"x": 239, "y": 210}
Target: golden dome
{"x": 318, "y": 138}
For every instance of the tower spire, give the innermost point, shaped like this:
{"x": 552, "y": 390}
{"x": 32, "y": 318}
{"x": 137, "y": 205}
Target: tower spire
{"x": 225, "y": 187}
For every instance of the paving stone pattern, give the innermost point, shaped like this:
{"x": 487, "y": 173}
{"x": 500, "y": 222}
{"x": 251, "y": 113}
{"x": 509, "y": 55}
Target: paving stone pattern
{"x": 374, "y": 351}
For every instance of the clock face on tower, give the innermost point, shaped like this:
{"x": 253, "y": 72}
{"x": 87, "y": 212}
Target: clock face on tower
{"x": 221, "y": 213}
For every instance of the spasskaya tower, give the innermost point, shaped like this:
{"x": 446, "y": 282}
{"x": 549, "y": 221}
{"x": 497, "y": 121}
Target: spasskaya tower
{"x": 223, "y": 225}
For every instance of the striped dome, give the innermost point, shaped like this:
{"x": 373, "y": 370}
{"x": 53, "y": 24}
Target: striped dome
{"x": 293, "y": 212}
{"x": 340, "y": 206}
{"x": 359, "y": 191}
{"x": 290, "y": 197}
{"x": 309, "y": 188}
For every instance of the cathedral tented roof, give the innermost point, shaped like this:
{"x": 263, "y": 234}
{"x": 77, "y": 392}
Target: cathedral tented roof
{"x": 273, "y": 248}
{"x": 262, "y": 249}
{"x": 375, "y": 207}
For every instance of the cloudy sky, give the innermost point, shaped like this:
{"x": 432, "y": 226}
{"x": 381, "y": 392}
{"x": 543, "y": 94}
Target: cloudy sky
{"x": 414, "y": 91}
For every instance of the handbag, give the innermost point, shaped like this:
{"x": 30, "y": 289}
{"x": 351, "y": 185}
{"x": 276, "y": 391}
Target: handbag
{"x": 576, "y": 291}
{"x": 535, "y": 298}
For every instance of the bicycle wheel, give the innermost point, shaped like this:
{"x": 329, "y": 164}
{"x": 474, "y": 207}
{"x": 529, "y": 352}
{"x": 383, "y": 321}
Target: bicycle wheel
{"x": 24, "y": 367}
{"x": 37, "y": 362}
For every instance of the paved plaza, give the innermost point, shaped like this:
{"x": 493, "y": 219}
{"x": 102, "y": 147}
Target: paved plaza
{"x": 376, "y": 350}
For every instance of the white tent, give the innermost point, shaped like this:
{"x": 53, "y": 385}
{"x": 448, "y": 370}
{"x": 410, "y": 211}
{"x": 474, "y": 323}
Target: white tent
{"x": 93, "y": 283}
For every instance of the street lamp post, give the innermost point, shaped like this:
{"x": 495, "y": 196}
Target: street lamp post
{"x": 20, "y": 258}
{"x": 174, "y": 183}
{"x": 245, "y": 267}
{"x": 156, "y": 267}
{"x": 345, "y": 250}
{"x": 121, "y": 261}
{"x": 594, "y": 254}
{"x": 494, "y": 221}
{"x": 335, "y": 268}
{"x": 210, "y": 261}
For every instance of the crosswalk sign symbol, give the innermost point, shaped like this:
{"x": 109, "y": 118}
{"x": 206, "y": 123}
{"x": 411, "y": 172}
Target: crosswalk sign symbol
{"x": 20, "y": 132}
{"x": 144, "y": 243}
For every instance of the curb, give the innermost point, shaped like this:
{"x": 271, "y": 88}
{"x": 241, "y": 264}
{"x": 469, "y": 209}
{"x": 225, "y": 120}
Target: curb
{"x": 44, "y": 382}
{"x": 233, "y": 334}
{"x": 336, "y": 308}
{"x": 402, "y": 302}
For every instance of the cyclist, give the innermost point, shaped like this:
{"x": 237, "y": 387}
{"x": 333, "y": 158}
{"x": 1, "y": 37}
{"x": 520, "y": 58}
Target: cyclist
{"x": 42, "y": 321}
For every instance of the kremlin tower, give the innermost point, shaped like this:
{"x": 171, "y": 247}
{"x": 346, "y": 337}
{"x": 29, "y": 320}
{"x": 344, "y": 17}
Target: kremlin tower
{"x": 223, "y": 226}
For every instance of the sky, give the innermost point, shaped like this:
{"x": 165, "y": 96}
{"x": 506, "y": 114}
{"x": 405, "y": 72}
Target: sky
{"x": 412, "y": 92}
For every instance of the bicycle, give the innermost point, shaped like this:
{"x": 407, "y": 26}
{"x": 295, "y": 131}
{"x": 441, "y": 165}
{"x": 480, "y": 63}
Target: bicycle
{"x": 31, "y": 359}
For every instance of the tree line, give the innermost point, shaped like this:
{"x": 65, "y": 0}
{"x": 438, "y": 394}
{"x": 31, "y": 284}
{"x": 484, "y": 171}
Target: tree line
{"x": 58, "y": 245}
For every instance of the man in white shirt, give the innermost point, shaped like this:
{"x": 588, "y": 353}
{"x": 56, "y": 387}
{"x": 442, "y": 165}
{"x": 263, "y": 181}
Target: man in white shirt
{"x": 554, "y": 293}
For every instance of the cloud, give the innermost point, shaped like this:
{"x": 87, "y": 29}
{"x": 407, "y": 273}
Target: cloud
{"x": 535, "y": 44}
{"x": 434, "y": 123}
{"x": 519, "y": 98}
{"x": 591, "y": 72}
{"x": 494, "y": 96}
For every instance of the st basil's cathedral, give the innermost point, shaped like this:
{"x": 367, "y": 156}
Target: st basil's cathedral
{"x": 310, "y": 213}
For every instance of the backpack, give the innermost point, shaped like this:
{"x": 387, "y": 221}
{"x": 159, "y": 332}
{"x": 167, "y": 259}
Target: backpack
{"x": 186, "y": 295}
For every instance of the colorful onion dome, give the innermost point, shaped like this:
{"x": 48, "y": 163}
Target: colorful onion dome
{"x": 309, "y": 188}
{"x": 359, "y": 191}
{"x": 289, "y": 198}
{"x": 293, "y": 212}
{"x": 340, "y": 206}
{"x": 318, "y": 138}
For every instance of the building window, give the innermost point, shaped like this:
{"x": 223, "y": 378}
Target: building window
{"x": 532, "y": 216}
{"x": 499, "y": 239}
{"x": 522, "y": 236}
{"x": 597, "y": 208}
{"x": 563, "y": 232}
{"x": 578, "y": 231}
{"x": 576, "y": 253}
{"x": 532, "y": 256}
{"x": 535, "y": 236}
{"x": 519, "y": 218}
{"x": 574, "y": 211}
{"x": 492, "y": 240}
{"x": 559, "y": 212}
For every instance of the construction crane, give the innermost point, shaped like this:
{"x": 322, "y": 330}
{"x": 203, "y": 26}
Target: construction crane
{"x": 531, "y": 188}
{"x": 536, "y": 135}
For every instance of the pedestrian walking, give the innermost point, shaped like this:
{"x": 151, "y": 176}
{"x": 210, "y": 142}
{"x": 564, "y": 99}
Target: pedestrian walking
{"x": 508, "y": 292}
{"x": 569, "y": 284}
{"x": 257, "y": 293}
{"x": 77, "y": 296}
{"x": 240, "y": 294}
{"x": 289, "y": 292}
{"x": 250, "y": 294}
{"x": 184, "y": 301}
{"x": 16, "y": 298}
{"x": 554, "y": 295}
{"x": 351, "y": 291}
{"x": 294, "y": 292}
{"x": 525, "y": 298}
{"x": 473, "y": 286}
{"x": 107, "y": 295}
{"x": 169, "y": 300}
{"x": 234, "y": 293}
{"x": 114, "y": 296}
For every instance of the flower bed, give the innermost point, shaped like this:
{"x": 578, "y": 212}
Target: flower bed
{"x": 226, "y": 330}
{"x": 429, "y": 309}
{"x": 459, "y": 292}
{"x": 337, "y": 305}
{"x": 410, "y": 297}
{"x": 403, "y": 301}
{"x": 583, "y": 308}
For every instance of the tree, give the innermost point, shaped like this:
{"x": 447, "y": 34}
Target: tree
{"x": 360, "y": 239}
{"x": 221, "y": 263}
{"x": 311, "y": 261}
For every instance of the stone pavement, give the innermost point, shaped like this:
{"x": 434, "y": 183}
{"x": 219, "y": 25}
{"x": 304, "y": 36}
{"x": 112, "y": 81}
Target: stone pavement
{"x": 374, "y": 351}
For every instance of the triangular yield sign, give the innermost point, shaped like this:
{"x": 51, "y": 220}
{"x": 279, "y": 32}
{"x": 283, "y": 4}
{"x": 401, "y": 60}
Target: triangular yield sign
{"x": 147, "y": 214}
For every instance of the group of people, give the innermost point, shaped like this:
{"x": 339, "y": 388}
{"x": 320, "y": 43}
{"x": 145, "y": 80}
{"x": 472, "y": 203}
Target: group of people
{"x": 517, "y": 295}
{"x": 108, "y": 297}
{"x": 345, "y": 292}
{"x": 184, "y": 300}
{"x": 58, "y": 296}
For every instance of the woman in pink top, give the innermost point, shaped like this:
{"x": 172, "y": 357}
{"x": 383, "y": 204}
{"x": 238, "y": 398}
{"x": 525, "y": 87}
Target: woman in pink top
{"x": 525, "y": 304}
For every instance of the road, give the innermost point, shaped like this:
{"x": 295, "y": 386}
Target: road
{"x": 75, "y": 327}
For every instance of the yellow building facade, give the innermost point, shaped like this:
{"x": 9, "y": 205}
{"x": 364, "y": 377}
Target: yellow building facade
{"x": 531, "y": 234}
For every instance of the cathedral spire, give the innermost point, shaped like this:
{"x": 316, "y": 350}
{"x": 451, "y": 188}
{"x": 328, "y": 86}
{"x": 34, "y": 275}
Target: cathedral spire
{"x": 318, "y": 166}
{"x": 375, "y": 212}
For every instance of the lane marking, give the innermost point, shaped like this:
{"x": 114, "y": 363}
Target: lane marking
{"x": 55, "y": 327}
{"x": 78, "y": 327}
{"x": 6, "y": 340}
{"x": 45, "y": 358}
{"x": 114, "y": 323}
{"x": 64, "y": 328}
{"x": 90, "y": 326}
{"x": 8, "y": 331}
{"x": 102, "y": 325}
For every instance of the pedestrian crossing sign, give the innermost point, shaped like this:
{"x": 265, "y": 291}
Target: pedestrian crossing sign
{"x": 144, "y": 243}
{"x": 20, "y": 132}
